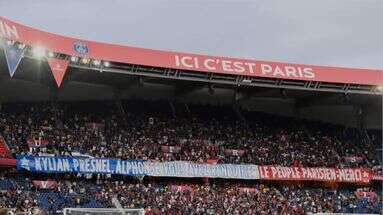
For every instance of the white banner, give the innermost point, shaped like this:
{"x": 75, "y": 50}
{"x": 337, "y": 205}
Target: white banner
{"x": 189, "y": 169}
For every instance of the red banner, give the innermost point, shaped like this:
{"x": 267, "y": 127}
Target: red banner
{"x": 95, "y": 125}
{"x": 181, "y": 188}
{"x": 235, "y": 152}
{"x": 170, "y": 149}
{"x": 357, "y": 175}
{"x": 45, "y": 184}
{"x": 58, "y": 68}
{"x": 7, "y": 162}
{"x": 366, "y": 194}
{"x": 37, "y": 142}
{"x": 353, "y": 159}
{"x": 248, "y": 190}
{"x": 186, "y": 61}
{"x": 212, "y": 161}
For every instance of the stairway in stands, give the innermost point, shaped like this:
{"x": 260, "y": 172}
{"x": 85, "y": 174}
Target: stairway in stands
{"x": 4, "y": 150}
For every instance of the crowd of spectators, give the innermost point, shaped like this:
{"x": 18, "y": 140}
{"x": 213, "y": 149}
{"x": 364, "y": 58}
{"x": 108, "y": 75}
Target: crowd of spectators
{"x": 189, "y": 197}
{"x": 158, "y": 130}
{"x": 23, "y": 193}
{"x": 229, "y": 198}
{"x": 163, "y": 131}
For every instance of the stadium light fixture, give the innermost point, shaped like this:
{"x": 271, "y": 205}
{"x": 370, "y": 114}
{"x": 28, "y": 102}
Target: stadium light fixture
{"x": 21, "y": 46}
{"x": 380, "y": 88}
{"x": 51, "y": 54}
{"x": 85, "y": 60}
{"x": 10, "y": 42}
{"x": 73, "y": 59}
{"x": 38, "y": 51}
{"x": 106, "y": 64}
{"x": 96, "y": 62}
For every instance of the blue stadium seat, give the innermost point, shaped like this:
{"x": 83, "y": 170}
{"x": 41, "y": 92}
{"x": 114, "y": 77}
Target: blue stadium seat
{"x": 6, "y": 184}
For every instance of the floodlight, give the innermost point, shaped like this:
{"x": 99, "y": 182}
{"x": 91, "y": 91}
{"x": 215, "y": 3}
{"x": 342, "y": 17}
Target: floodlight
{"x": 106, "y": 64}
{"x": 51, "y": 54}
{"x": 73, "y": 59}
{"x": 10, "y": 42}
{"x": 85, "y": 60}
{"x": 96, "y": 62}
{"x": 38, "y": 51}
{"x": 21, "y": 46}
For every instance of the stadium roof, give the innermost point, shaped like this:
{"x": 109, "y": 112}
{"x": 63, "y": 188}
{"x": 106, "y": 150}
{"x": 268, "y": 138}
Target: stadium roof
{"x": 209, "y": 68}
{"x": 327, "y": 32}
{"x": 274, "y": 87}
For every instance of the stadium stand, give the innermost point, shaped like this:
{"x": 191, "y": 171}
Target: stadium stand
{"x": 150, "y": 130}
{"x": 206, "y": 133}
{"x": 67, "y": 112}
{"x": 180, "y": 197}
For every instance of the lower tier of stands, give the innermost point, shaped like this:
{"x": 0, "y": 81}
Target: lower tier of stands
{"x": 52, "y": 193}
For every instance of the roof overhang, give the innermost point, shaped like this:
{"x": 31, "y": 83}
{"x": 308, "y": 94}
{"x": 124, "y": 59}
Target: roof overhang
{"x": 200, "y": 68}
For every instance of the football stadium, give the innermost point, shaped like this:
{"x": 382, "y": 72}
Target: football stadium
{"x": 89, "y": 128}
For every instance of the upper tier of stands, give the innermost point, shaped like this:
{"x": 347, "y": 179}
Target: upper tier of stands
{"x": 164, "y": 131}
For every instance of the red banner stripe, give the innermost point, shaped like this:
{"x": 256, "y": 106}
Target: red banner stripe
{"x": 352, "y": 175}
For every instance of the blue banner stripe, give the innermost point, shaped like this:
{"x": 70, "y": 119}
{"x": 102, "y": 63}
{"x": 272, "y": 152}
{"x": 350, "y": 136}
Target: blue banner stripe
{"x": 49, "y": 164}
